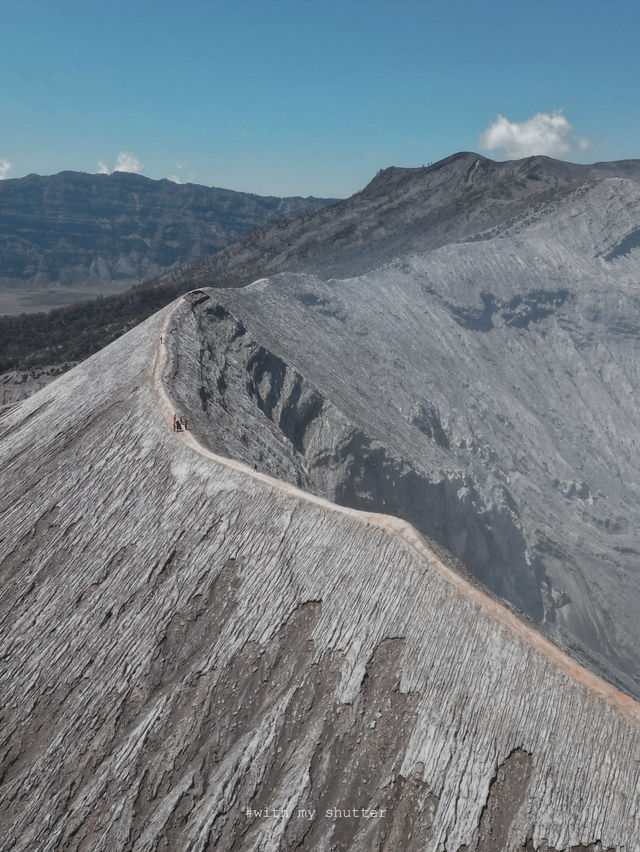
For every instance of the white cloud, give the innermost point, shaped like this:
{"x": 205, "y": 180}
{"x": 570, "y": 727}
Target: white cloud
{"x": 127, "y": 162}
{"x": 5, "y": 165}
{"x": 544, "y": 133}
{"x": 174, "y": 178}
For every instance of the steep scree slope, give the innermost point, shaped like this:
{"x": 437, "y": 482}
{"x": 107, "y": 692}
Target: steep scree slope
{"x": 186, "y": 643}
{"x": 463, "y": 197}
{"x": 486, "y": 392}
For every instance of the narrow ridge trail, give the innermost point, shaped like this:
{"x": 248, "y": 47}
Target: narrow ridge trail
{"x": 393, "y": 526}
{"x": 184, "y": 640}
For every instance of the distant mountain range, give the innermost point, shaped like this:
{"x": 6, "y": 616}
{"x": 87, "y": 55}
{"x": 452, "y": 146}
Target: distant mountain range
{"x": 75, "y": 229}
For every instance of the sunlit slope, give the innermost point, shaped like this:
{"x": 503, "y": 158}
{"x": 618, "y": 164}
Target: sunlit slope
{"x": 463, "y": 198}
{"x": 185, "y": 641}
{"x": 486, "y": 392}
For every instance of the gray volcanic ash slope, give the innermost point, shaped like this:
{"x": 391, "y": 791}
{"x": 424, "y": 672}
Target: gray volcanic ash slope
{"x": 464, "y": 197}
{"x": 484, "y": 391}
{"x": 19, "y": 384}
{"x": 186, "y": 643}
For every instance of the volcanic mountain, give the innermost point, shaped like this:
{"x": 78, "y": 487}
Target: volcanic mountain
{"x": 463, "y": 198}
{"x": 484, "y": 390}
{"x": 96, "y": 232}
{"x": 196, "y": 655}
{"x": 383, "y": 592}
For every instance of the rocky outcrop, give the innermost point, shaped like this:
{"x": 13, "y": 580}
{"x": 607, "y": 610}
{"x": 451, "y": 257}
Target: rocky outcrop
{"x": 198, "y": 656}
{"x": 90, "y": 230}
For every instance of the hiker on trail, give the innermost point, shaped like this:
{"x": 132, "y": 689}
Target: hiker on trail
{"x": 179, "y": 423}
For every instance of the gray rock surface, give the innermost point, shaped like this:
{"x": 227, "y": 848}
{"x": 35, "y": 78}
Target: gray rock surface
{"x": 186, "y": 643}
{"x": 485, "y": 391}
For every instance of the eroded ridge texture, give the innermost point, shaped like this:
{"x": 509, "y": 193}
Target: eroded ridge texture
{"x": 197, "y": 657}
{"x": 484, "y": 391}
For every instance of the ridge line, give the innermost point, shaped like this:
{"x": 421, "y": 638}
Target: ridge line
{"x": 528, "y": 634}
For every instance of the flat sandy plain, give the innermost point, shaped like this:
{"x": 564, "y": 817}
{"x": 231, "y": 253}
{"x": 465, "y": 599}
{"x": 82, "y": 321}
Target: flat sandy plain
{"x": 30, "y": 301}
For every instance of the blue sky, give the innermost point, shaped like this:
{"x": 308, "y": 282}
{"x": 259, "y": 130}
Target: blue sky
{"x": 308, "y": 97}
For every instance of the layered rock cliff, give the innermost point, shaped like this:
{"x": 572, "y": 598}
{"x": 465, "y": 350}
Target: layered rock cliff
{"x": 198, "y": 656}
{"x": 79, "y": 229}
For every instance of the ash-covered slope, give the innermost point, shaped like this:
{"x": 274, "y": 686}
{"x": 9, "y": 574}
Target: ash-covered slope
{"x": 486, "y": 392}
{"x": 74, "y": 228}
{"x": 463, "y": 197}
{"x": 186, "y": 643}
